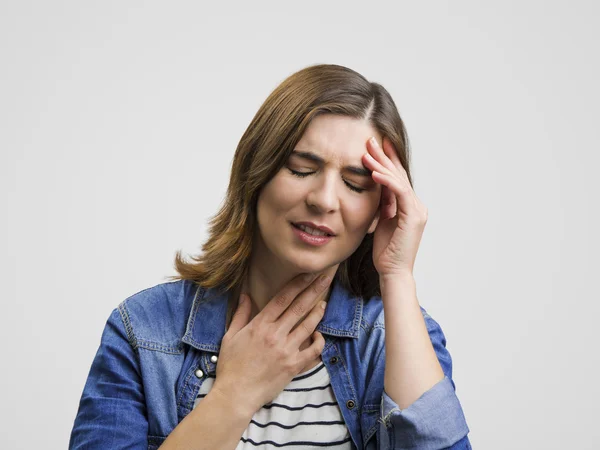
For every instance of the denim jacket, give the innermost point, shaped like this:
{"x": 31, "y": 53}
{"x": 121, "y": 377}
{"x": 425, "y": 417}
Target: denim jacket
{"x": 160, "y": 344}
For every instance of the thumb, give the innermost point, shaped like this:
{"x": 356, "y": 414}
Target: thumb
{"x": 241, "y": 316}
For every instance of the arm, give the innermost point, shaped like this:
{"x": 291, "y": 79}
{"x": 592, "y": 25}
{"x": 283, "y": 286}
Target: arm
{"x": 112, "y": 409}
{"x": 419, "y": 406}
{"x": 216, "y": 422}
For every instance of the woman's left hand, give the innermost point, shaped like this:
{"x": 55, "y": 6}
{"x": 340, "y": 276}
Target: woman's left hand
{"x": 402, "y": 215}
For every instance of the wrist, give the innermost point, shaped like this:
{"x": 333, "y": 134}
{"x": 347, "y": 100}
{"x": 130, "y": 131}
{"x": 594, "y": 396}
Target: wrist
{"x": 398, "y": 289}
{"x": 396, "y": 278}
{"x": 232, "y": 404}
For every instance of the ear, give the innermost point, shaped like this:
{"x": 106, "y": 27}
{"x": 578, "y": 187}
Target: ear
{"x": 375, "y": 221}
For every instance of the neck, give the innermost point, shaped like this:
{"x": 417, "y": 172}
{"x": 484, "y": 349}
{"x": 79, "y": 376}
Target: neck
{"x": 264, "y": 280}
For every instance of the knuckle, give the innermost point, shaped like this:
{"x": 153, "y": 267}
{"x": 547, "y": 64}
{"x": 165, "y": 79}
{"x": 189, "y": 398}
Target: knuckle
{"x": 252, "y": 329}
{"x": 298, "y": 309}
{"x": 306, "y": 327}
{"x": 282, "y": 299}
{"x": 278, "y": 353}
{"x": 271, "y": 340}
{"x": 290, "y": 367}
{"x": 316, "y": 287}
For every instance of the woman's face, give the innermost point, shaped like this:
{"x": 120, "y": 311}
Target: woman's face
{"x": 330, "y": 194}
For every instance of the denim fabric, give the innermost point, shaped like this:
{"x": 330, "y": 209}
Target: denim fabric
{"x": 143, "y": 381}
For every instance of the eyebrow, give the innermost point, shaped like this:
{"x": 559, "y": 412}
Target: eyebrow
{"x": 361, "y": 171}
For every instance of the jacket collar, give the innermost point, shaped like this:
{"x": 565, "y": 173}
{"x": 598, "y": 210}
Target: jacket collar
{"x": 206, "y": 322}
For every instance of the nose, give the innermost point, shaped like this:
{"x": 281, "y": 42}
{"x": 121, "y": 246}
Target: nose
{"x": 323, "y": 194}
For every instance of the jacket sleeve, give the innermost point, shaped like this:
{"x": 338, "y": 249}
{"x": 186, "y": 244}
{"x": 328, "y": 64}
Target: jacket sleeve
{"x": 435, "y": 421}
{"x": 112, "y": 409}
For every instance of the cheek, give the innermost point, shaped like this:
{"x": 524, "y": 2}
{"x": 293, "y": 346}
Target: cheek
{"x": 359, "y": 214}
{"x": 277, "y": 198}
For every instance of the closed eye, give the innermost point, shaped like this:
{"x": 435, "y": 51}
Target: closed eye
{"x": 305, "y": 174}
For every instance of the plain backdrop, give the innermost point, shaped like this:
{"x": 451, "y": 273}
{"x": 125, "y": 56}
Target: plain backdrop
{"x": 118, "y": 124}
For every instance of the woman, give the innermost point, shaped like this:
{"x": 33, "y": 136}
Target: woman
{"x": 183, "y": 365}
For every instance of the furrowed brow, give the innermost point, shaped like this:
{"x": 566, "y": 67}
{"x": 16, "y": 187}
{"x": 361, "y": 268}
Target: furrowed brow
{"x": 361, "y": 171}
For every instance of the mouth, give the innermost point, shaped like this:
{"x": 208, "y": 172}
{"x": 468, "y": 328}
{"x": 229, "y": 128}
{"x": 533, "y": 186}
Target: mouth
{"x": 319, "y": 235}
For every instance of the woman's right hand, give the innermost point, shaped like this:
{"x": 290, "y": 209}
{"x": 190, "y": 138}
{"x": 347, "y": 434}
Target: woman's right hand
{"x": 258, "y": 359}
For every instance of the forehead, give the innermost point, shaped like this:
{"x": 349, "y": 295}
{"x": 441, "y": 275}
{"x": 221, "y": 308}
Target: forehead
{"x": 337, "y": 137}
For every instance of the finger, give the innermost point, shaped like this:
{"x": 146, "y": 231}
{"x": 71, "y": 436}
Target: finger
{"x": 307, "y": 326}
{"x": 378, "y": 154}
{"x": 390, "y": 151}
{"x": 302, "y": 305}
{"x": 373, "y": 164}
{"x": 278, "y": 304}
{"x": 314, "y": 351}
{"x": 387, "y": 204}
{"x": 241, "y": 316}
{"x": 388, "y": 199}
{"x": 398, "y": 188}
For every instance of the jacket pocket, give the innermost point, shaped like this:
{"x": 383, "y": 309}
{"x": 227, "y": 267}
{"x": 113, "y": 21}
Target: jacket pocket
{"x": 155, "y": 441}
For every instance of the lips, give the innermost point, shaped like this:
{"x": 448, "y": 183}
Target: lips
{"x": 328, "y": 233}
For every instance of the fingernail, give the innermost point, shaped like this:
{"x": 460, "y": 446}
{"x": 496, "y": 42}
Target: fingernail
{"x": 323, "y": 304}
{"x": 373, "y": 140}
{"x": 324, "y": 281}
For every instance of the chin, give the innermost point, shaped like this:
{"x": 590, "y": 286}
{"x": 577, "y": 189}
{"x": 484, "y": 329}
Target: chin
{"x": 311, "y": 264}
{"x": 308, "y": 267}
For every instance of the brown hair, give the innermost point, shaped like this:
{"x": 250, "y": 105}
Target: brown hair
{"x": 264, "y": 149}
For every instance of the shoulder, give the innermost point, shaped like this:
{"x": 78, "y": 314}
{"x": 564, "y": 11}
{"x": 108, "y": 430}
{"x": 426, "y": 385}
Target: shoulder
{"x": 156, "y": 317}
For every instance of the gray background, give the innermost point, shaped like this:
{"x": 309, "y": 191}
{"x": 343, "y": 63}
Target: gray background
{"x": 118, "y": 125}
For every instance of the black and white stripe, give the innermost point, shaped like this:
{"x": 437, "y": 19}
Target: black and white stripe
{"x": 304, "y": 415}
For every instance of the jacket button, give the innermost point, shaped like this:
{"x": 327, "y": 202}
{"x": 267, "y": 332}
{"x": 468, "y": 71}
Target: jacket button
{"x": 199, "y": 373}
{"x": 350, "y": 404}
{"x": 213, "y": 359}
{"x": 333, "y": 360}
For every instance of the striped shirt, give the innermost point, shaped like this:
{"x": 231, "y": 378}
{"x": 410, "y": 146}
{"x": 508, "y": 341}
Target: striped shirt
{"x": 304, "y": 415}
